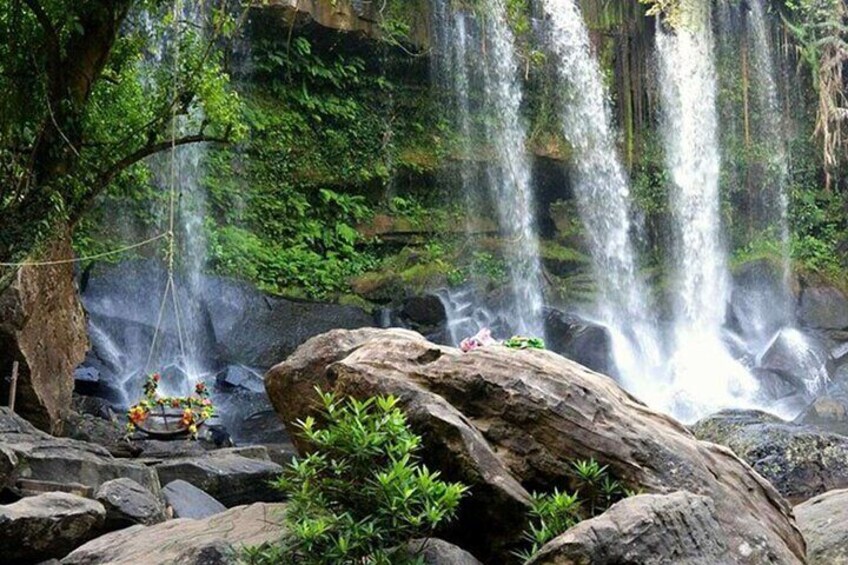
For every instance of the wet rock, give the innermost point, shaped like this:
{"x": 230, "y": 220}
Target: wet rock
{"x": 434, "y": 551}
{"x": 209, "y": 541}
{"x": 127, "y": 503}
{"x": 95, "y": 406}
{"x": 42, "y": 457}
{"x": 249, "y": 417}
{"x": 239, "y": 376}
{"x": 823, "y": 307}
{"x": 42, "y": 326}
{"x": 756, "y": 303}
{"x": 187, "y": 501}
{"x": 122, "y": 302}
{"x": 258, "y": 330}
{"x": 824, "y": 522}
{"x": 802, "y": 359}
{"x": 231, "y": 478}
{"x": 582, "y": 341}
{"x": 774, "y": 386}
{"x": 425, "y": 314}
{"x": 828, "y": 412}
{"x": 47, "y": 526}
{"x": 800, "y": 461}
{"x": 648, "y": 529}
{"x": 539, "y": 412}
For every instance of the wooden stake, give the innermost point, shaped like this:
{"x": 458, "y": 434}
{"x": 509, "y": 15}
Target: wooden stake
{"x": 13, "y": 386}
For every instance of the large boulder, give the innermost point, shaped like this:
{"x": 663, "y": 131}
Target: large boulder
{"x": 185, "y": 541}
{"x": 649, "y": 529}
{"x": 495, "y": 512}
{"x": 824, "y": 522}
{"x": 823, "y": 307}
{"x": 800, "y": 461}
{"x": 187, "y": 501}
{"x": 802, "y": 359}
{"x": 537, "y": 413}
{"x": 127, "y": 503}
{"x": 580, "y": 340}
{"x": 434, "y": 551}
{"x": 258, "y": 330}
{"x": 47, "y": 526}
{"x": 231, "y": 478}
{"x": 42, "y": 326}
{"x": 33, "y": 455}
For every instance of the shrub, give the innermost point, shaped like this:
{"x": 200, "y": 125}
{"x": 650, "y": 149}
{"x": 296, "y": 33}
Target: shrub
{"x": 551, "y": 514}
{"x": 361, "y": 493}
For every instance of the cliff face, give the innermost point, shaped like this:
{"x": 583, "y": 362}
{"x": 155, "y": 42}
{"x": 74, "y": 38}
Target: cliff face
{"x": 42, "y": 326}
{"x": 360, "y": 16}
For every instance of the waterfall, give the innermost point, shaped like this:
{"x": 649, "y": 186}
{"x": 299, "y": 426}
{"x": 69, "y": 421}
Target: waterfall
{"x": 705, "y": 376}
{"x": 477, "y": 62}
{"x": 138, "y": 300}
{"x": 772, "y": 134}
{"x": 603, "y": 197}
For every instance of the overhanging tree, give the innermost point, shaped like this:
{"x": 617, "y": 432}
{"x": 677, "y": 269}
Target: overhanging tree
{"x": 91, "y": 88}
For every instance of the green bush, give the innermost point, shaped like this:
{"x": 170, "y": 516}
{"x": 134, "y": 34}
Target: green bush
{"x": 361, "y": 493}
{"x": 553, "y": 513}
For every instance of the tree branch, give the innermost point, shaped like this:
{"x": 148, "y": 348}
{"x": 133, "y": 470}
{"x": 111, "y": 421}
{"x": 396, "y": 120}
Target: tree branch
{"x": 51, "y": 31}
{"x": 109, "y": 174}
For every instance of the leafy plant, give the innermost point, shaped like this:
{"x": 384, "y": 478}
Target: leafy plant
{"x": 520, "y": 342}
{"x": 553, "y": 513}
{"x": 361, "y": 493}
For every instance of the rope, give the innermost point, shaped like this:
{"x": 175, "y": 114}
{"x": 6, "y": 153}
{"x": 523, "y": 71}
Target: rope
{"x": 87, "y": 258}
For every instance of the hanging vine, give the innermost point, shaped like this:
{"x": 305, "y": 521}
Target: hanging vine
{"x": 820, "y": 28}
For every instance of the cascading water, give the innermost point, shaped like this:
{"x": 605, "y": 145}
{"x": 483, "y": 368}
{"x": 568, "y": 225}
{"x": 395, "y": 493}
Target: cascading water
{"x": 705, "y": 376}
{"x": 182, "y": 347}
{"x": 466, "y": 42}
{"x": 603, "y": 197}
{"x": 772, "y": 130}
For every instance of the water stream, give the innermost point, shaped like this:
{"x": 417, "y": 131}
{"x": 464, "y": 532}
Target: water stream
{"x": 603, "y": 197}
{"x": 705, "y": 376}
{"x": 476, "y": 61}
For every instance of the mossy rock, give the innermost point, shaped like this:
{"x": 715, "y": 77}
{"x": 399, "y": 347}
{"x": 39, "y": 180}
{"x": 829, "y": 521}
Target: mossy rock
{"x": 800, "y": 461}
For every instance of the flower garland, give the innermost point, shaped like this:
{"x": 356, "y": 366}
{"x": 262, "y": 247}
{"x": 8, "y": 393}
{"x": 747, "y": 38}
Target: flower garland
{"x": 484, "y": 338}
{"x": 196, "y": 408}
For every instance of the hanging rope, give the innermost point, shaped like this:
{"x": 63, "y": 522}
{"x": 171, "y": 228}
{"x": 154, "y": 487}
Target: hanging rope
{"x": 171, "y": 284}
{"x": 88, "y": 257}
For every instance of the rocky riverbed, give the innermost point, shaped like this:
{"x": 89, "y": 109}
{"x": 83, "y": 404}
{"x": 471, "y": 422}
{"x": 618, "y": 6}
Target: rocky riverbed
{"x": 504, "y": 422}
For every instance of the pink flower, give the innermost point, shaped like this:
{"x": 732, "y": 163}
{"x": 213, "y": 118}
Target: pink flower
{"x": 482, "y": 339}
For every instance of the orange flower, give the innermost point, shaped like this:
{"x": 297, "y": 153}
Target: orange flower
{"x": 188, "y": 417}
{"x": 137, "y": 415}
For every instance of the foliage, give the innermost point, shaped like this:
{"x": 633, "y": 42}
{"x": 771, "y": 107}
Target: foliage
{"x": 85, "y": 107}
{"x": 520, "y": 342}
{"x": 326, "y": 128}
{"x": 553, "y": 513}
{"x": 361, "y": 493}
{"x": 820, "y": 28}
{"x": 670, "y": 10}
{"x": 195, "y": 408}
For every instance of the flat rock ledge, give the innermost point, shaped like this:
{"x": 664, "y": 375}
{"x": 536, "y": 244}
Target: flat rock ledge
{"x": 185, "y": 541}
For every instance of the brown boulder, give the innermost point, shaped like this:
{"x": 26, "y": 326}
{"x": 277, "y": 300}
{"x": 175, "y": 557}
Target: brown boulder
{"x": 824, "y": 522}
{"x": 42, "y": 326}
{"x": 494, "y": 514}
{"x": 211, "y": 541}
{"x": 533, "y": 413}
{"x": 649, "y": 529}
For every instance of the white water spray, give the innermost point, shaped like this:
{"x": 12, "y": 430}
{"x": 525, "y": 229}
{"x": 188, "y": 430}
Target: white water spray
{"x": 466, "y": 43}
{"x": 705, "y": 376}
{"x": 603, "y": 197}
